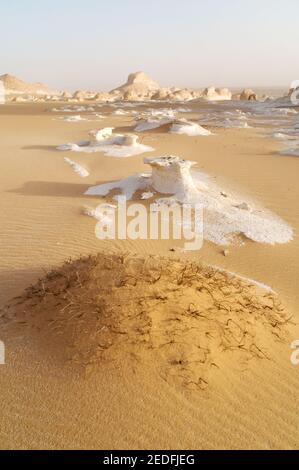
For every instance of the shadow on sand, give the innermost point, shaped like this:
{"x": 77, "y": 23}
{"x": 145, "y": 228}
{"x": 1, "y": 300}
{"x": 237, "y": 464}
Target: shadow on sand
{"x": 46, "y": 188}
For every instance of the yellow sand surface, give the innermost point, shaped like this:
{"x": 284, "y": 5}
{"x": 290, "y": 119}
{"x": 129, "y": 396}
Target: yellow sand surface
{"x": 224, "y": 378}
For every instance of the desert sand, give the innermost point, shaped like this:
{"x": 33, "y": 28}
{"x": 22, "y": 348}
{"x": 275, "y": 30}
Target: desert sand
{"x": 132, "y": 344}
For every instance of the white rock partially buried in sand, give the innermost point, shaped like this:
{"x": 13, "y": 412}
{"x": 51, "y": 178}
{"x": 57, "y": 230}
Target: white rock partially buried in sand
{"x": 177, "y": 126}
{"x": 151, "y": 123}
{"x": 225, "y": 217}
{"x": 170, "y": 175}
{"x": 112, "y": 145}
{"x": 192, "y": 129}
{"x": 79, "y": 169}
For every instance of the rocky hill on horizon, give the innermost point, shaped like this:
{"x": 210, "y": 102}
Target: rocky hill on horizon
{"x": 14, "y": 85}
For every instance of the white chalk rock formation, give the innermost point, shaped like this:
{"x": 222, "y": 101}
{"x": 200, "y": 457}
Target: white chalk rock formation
{"x": 294, "y": 89}
{"x": 81, "y": 95}
{"x": 79, "y": 169}
{"x": 131, "y": 140}
{"x": 216, "y": 94}
{"x": 248, "y": 95}
{"x": 178, "y": 126}
{"x": 76, "y": 118}
{"x": 288, "y": 100}
{"x": 182, "y": 95}
{"x": 15, "y": 86}
{"x": 159, "y": 112}
{"x": 171, "y": 175}
{"x": 66, "y": 95}
{"x": 162, "y": 94}
{"x": 176, "y": 94}
{"x": 182, "y": 126}
{"x": 226, "y": 217}
{"x": 112, "y": 145}
{"x": 102, "y": 134}
{"x": 19, "y": 99}
{"x": 151, "y": 123}
{"x": 103, "y": 96}
{"x": 138, "y": 87}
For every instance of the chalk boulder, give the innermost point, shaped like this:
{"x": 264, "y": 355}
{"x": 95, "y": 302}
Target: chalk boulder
{"x": 248, "y": 95}
{"x": 216, "y": 94}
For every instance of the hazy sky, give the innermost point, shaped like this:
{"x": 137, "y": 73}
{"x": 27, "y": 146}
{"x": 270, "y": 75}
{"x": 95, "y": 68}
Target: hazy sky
{"x": 95, "y": 44}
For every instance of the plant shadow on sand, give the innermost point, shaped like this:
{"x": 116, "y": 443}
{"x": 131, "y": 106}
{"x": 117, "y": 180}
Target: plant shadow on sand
{"x": 180, "y": 318}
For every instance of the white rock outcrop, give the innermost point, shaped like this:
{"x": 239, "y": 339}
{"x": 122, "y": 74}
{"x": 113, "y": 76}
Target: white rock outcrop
{"x": 248, "y": 95}
{"x": 15, "y": 86}
{"x": 112, "y": 145}
{"x": 216, "y": 94}
{"x": 226, "y": 217}
{"x": 138, "y": 87}
{"x": 171, "y": 175}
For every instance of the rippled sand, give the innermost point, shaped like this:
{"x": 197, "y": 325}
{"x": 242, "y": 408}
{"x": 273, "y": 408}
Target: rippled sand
{"x": 127, "y": 405}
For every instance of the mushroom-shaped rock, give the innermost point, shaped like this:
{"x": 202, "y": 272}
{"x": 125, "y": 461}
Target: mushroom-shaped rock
{"x": 171, "y": 175}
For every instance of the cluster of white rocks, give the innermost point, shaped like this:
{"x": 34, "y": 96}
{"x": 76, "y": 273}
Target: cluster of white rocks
{"x": 225, "y": 216}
